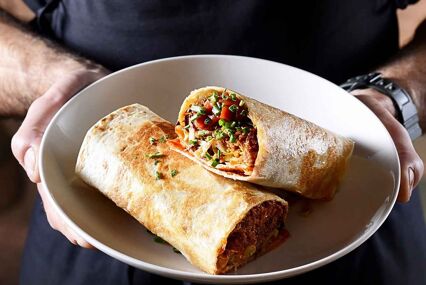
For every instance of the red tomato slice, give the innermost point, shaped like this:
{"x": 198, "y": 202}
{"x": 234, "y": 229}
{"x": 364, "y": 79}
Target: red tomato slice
{"x": 226, "y": 114}
{"x": 199, "y": 123}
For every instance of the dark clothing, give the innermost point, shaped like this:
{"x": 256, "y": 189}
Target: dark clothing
{"x": 334, "y": 39}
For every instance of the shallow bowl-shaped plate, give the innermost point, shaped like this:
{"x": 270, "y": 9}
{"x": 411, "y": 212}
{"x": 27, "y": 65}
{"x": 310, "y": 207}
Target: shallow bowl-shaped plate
{"x": 331, "y": 230}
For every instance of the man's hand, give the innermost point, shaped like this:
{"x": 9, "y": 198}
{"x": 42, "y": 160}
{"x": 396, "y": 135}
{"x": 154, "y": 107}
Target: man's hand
{"x": 411, "y": 164}
{"x": 26, "y": 142}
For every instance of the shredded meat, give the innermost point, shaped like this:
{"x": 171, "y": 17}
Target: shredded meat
{"x": 260, "y": 231}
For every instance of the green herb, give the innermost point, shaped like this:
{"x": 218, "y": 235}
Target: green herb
{"x": 159, "y": 240}
{"x": 233, "y": 97}
{"x": 207, "y": 121}
{"x": 156, "y": 162}
{"x": 233, "y": 124}
{"x": 175, "y": 250}
{"x": 203, "y": 133}
{"x": 158, "y": 175}
{"x": 216, "y": 109}
{"x": 194, "y": 117}
{"x": 214, "y": 97}
{"x": 173, "y": 172}
{"x": 233, "y": 108}
{"x": 152, "y": 140}
{"x": 209, "y": 138}
{"x": 218, "y": 134}
{"x": 215, "y": 162}
{"x": 224, "y": 97}
{"x": 241, "y": 103}
{"x": 245, "y": 130}
{"x": 162, "y": 139}
{"x": 208, "y": 156}
{"x": 232, "y": 138}
{"x": 218, "y": 153}
{"x": 187, "y": 126}
{"x": 193, "y": 142}
{"x": 222, "y": 122}
{"x": 198, "y": 109}
{"x": 154, "y": 155}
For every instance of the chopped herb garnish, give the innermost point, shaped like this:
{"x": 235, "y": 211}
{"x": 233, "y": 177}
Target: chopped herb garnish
{"x": 159, "y": 240}
{"x": 175, "y": 250}
{"x": 232, "y": 138}
{"x": 193, "y": 142}
{"x": 207, "y": 121}
{"x": 216, "y": 109}
{"x": 222, "y": 122}
{"x": 241, "y": 103}
{"x": 245, "y": 130}
{"x": 194, "y": 117}
{"x": 198, "y": 109}
{"x": 218, "y": 153}
{"x": 209, "y": 138}
{"x": 233, "y": 124}
{"x": 162, "y": 139}
{"x": 187, "y": 126}
{"x": 215, "y": 162}
{"x": 154, "y": 155}
{"x": 224, "y": 97}
{"x": 233, "y": 108}
{"x": 152, "y": 140}
{"x": 233, "y": 97}
{"x": 218, "y": 134}
{"x": 156, "y": 162}
{"x": 173, "y": 172}
{"x": 158, "y": 175}
{"x": 203, "y": 133}
{"x": 214, "y": 97}
{"x": 208, "y": 156}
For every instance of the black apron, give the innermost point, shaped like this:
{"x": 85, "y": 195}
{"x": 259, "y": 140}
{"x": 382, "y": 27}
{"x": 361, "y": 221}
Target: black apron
{"x": 334, "y": 39}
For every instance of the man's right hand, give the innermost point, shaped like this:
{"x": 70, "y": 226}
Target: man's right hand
{"x": 26, "y": 141}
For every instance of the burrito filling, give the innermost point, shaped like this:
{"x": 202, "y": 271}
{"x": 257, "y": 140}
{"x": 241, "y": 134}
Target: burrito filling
{"x": 259, "y": 232}
{"x": 218, "y": 130}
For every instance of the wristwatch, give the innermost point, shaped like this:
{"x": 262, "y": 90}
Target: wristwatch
{"x": 404, "y": 105}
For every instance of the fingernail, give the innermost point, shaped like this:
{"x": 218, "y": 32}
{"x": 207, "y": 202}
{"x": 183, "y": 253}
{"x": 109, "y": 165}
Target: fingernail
{"x": 411, "y": 177}
{"x": 29, "y": 161}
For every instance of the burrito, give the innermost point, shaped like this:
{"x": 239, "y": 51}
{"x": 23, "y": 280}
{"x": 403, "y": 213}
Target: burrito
{"x": 240, "y": 138}
{"x": 218, "y": 224}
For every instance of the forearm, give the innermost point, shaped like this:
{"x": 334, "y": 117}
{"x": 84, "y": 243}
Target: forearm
{"x": 408, "y": 69}
{"x": 30, "y": 64}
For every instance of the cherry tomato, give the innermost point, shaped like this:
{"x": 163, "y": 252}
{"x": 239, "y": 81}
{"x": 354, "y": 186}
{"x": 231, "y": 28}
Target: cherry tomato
{"x": 200, "y": 124}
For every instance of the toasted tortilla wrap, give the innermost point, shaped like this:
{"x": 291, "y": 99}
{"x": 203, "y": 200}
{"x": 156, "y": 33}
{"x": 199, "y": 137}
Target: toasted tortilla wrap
{"x": 240, "y": 138}
{"x": 218, "y": 224}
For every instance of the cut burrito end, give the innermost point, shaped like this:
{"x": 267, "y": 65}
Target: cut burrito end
{"x": 216, "y": 128}
{"x": 261, "y": 230}
{"x": 238, "y": 137}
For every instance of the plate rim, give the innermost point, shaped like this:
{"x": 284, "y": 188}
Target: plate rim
{"x": 193, "y": 276}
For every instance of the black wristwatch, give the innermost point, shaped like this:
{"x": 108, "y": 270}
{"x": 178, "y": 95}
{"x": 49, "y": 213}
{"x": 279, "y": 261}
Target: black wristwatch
{"x": 404, "y": 105}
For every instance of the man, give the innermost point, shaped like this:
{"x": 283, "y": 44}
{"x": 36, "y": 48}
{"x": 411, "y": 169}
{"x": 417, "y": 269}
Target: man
{"x": 334, "y": 39}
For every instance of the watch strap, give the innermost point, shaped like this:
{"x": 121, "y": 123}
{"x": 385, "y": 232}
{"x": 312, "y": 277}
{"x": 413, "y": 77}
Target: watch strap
{"x": 405, "y": 107}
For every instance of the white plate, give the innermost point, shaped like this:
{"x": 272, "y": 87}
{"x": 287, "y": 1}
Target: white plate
{"x": 333, "y": 229}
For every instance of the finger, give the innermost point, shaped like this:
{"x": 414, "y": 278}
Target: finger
{"x": 26, "y": 141}
{"x": 411, "y": 164}
{"x": 57, "y": 223}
